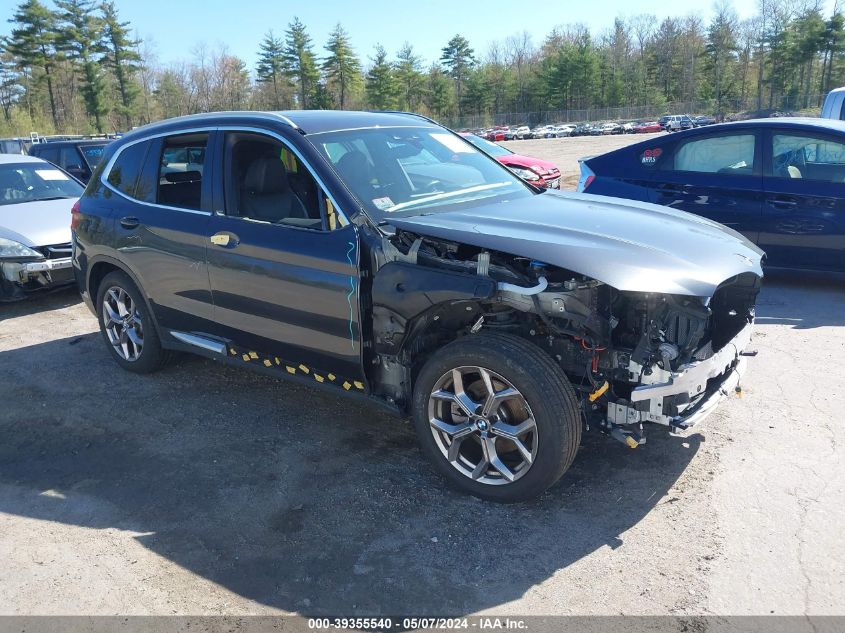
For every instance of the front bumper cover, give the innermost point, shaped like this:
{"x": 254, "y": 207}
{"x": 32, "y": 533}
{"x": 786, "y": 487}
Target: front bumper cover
{"x": 701, "y": 384}
{"x": 17, "y": 278}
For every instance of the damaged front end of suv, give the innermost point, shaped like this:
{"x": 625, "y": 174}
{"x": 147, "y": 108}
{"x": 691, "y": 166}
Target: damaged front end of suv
{"x": 647, "y": 336}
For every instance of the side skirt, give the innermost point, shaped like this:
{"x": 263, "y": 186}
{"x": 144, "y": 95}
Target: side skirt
{"x": 231, "y": 354}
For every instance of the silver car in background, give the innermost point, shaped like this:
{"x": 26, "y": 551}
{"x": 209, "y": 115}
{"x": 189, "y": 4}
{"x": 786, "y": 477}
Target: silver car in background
{"x": 35, "y": 214}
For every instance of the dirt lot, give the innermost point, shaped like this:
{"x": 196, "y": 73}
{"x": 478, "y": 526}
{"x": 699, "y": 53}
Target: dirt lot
{"x": 204, "y": 490}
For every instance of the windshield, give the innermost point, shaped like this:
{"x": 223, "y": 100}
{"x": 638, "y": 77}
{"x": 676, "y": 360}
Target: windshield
{"x": 404, "y": 171}
{"x": 30, "y": 182}
{"x": 486, "y": 146}
{"x": 92, "y": 154}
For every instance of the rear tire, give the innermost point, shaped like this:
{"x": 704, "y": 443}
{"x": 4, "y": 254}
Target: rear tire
{"x": 497, "y": 417}
{"x": 127, "y": 325}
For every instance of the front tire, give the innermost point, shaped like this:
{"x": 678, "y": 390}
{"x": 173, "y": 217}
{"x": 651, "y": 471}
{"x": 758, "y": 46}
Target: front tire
{"x": 127, "y": 325}
{"x": 496, "y": 417}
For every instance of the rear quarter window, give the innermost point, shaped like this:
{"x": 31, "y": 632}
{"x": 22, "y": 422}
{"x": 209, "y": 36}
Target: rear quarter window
{"x": 725, "y": 154}
{"x": 124, "y": 173}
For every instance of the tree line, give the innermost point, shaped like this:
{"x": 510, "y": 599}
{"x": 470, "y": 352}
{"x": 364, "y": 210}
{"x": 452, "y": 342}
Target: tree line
{"x": 74, "y": 66}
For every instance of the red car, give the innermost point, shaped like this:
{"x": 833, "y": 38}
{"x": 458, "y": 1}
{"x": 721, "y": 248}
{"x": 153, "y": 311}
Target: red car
{"x": 644, "y": 128}
{"x": 495, "y": 134}
{"x": 538, "y": 172}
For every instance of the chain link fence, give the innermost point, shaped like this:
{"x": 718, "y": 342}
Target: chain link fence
{"x": 729, "y": 109}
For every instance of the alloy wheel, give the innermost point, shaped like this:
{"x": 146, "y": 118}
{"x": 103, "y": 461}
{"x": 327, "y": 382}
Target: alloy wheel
{"x": 482, "y": 425}
{"x": 123, "y": 324}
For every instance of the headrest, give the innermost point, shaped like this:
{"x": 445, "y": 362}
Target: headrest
{"x": 266, "y": 175}
{"x": 183, "y": 176}
{"x": 354, "y": 167}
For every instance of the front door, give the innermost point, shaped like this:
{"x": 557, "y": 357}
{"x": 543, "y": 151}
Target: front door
{"x": 804, "y": 205}
{"x": 283, "y": 265}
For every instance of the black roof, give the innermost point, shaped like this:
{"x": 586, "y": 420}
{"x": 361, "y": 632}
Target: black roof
{"x": 308, "y": 121}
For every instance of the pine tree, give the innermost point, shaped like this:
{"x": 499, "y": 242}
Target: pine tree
{"x": 409, "y": 77}
{"x": 271, "y": 67}
{"x": 381, "y": 85}
{"x": 81, "y": 41}
{"x": 458, "y": 58}
{"x": 300, "y": 62}
{"x": 440, "y": 92}
{"x": 342, "y": 68}
{"x": 33, "y": 43}
{"x": 121, "y": 56}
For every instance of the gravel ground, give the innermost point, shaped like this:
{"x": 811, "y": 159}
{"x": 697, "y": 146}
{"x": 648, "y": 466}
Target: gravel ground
{"x": 209, "y": 490}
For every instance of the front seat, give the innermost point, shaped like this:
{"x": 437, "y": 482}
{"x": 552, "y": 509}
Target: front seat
{"x": 266, "y": 193}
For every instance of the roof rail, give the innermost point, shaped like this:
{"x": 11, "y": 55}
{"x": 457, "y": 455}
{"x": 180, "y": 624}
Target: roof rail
{"x": 416, "y": 114}
{"x": 286, "y": 120}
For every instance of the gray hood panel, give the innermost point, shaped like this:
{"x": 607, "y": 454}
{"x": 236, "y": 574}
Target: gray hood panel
{"x": 629, "y": 245}
{"x": 37, "y": 223}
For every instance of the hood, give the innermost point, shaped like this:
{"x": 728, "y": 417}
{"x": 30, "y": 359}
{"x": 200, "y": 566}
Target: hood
{"x": 37, "y": 223}
{"x": 631, "y": 246}
{"x": 517, "y": 160}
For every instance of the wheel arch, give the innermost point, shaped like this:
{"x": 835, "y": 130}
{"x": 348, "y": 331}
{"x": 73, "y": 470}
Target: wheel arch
{"x": 102, "y": 266}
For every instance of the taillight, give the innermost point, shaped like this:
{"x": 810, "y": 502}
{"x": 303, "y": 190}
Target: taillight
{"x": 75, "y": 216}
{"x": 587, "y": 176}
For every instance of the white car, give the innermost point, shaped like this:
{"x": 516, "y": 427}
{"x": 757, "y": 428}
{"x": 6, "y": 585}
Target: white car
{"x": 522, "y": 132}
{"x": 563, "y": 130}
{"x": 543, "y": 131}
{"x": 36, "y": 198}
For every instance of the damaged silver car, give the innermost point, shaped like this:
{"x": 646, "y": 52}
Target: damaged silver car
{"x": 35, "y": 202}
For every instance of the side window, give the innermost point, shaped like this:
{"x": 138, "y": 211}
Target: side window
{"x": 810, "y": 158}
{"x": 70, "y": 159}
{"x": 264, "y": 180}
{"x": 726, "y": 154}
{"x": 50, "y": 154}
{"x": 123, "y": 174}
{"x": 180, "y": 171}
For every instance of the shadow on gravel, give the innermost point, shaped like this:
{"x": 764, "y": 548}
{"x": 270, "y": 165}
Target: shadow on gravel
{"x": 292, "y": 498}
{"x": 793, "y": 298}
{"x": 41, "y": 302}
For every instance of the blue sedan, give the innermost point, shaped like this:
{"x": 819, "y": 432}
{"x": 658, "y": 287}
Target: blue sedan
{"x": 780, "y": 182}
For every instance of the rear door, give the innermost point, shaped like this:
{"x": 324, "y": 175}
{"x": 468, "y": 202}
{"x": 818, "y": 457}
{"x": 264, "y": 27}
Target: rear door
{"x": 804, "y": 211}
{"x": 714, "y": 175}
{"x": 161, "y": 219}
{"x": 283, "y": 264}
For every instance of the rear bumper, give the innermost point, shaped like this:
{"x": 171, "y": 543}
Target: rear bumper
{"x": 699, "y": 385}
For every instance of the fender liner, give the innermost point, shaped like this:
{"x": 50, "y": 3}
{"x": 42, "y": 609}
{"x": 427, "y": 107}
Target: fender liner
{"x": 403, "y": 291}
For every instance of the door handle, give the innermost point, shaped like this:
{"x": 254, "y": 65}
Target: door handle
{"x": 226, "y": 240}
{"x": 672, "y": 188}
{"x": 782, "y": 203}
{"x": 129, "y": 222}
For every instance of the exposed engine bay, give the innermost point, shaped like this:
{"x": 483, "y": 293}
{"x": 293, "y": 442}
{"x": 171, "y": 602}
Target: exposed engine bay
{"x": 633, "y": 357}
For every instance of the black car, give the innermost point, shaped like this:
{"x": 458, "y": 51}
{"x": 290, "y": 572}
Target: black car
{"x": 780, "y": 182}
{"x": 79, "y": 158}
{"x": 383, "y": 256}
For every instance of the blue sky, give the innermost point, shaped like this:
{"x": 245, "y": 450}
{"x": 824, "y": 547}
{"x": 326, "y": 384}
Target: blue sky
{"x": 177, "y": 26}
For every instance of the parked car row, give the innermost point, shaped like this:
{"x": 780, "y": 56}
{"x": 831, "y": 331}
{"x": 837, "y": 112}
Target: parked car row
{"x": 668, "y": 123}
